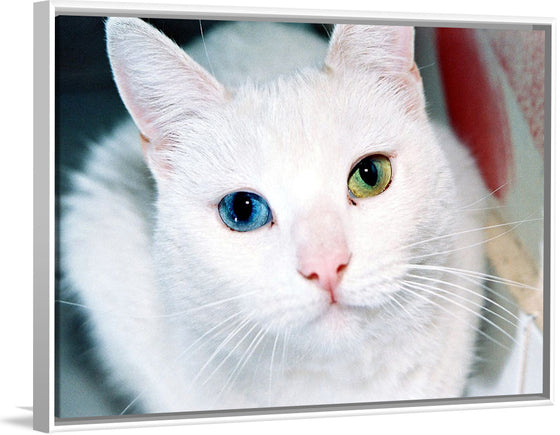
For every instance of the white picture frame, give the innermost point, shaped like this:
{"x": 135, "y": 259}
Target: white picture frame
{"x": 44, "y": 252}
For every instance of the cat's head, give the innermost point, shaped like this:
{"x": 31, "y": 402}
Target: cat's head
{"x": 296, "y": 204}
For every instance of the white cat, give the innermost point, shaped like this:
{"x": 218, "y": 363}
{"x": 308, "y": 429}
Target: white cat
{"x": 290, "y": 240}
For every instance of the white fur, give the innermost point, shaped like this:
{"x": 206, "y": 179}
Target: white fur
{"x": 145, "y": 262}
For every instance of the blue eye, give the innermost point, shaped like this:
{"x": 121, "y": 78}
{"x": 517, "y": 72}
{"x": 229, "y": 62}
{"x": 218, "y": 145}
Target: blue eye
{"x": 244, "y": 211}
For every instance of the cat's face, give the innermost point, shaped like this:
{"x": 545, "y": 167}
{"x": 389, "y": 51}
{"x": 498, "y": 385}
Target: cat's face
{"x": 298, "y": 205}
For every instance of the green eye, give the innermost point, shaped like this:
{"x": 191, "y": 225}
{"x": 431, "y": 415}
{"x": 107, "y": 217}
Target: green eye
{"x": 370, "y": 176}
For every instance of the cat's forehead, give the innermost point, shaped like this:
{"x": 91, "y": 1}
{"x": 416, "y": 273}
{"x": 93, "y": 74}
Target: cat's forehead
{"x": 309, "y": 129}
{"x": 313, "y": 114}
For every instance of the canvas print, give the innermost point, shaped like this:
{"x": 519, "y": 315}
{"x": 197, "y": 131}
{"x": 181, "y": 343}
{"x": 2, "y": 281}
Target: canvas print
{"x": 258, "y": 214}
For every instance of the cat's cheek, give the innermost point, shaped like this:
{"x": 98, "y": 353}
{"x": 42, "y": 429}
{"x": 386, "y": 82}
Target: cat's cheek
{"x": 283, "y": 299}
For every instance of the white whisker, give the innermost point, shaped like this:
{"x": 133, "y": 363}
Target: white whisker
{"x": 486, "y": 288}
{"x": 271, "y": 368}
{"x": 495, "y": 207}
{"x": 466, "y": 289}
{"x": 205, "y": 48}
{"x": 427, "y": 289}
{"x": 199, "y": 339}
{"x": 283, "y": 358}
{"x": 132, "y": 402}
{"x": 176, "y": 360}
{"x": 486, "y": 276}
{"x": 489, "y": 195}
{"x": 326, "y": 31}
{"x": 439, "y": 290}
{"x": 213, "y": 304}
{"x": 477, "y": 280}
{"x": 394, "y": 299}
{"x": 73, "y": 304}
{"x": 221, "y": 346}
{"x": 158, "y": 316}
{"x": 446, "y": 236}
{"x": 414, "y": 293}
{"x": 243, "y": 361}
{"x": 430, "y": 65}
{"x": 230, "y": 353}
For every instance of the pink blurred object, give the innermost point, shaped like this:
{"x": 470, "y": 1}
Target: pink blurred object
{"x": 476, "y": 66}
{"x": 521, "y": 55}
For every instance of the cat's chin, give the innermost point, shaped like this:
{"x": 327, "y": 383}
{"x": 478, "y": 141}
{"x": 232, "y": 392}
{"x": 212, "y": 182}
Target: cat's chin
{"x": 338, "y": 327}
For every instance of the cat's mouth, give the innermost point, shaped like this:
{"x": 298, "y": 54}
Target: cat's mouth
{"x": 372, "y": 297}
{"x": 347, "y": 317}
{"x": 337, "y": 328}
{"x": 340, "y": 314}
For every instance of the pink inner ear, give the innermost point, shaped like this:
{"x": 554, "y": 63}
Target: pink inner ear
{"x": 415, "y": 72}
{"x": 145, "y": 142}
{"x": 127, "y": 96}
{"x": 387, "y": 49}
{"x": 405, "y": 45}
{"x": 158, "y": 166}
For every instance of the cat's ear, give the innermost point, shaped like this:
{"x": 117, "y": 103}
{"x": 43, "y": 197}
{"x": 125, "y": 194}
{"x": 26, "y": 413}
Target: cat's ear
{"x": 388, "y": 51}
{"x": 160, "y": 85}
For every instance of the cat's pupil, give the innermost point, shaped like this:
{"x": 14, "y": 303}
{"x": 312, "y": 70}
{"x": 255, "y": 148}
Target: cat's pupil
{"x": 242, "y": 206}
{"x": 368, "y": 172}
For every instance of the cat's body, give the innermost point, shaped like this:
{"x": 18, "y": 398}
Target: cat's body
{"x": 334, "y": 299}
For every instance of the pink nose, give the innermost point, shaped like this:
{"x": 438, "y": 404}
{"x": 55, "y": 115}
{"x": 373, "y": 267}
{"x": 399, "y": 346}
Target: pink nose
{"x": 325, "y": 270}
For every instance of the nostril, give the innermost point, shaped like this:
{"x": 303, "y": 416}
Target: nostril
{"x": 311, "y": 276}
{"x": 341, "y": 268}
